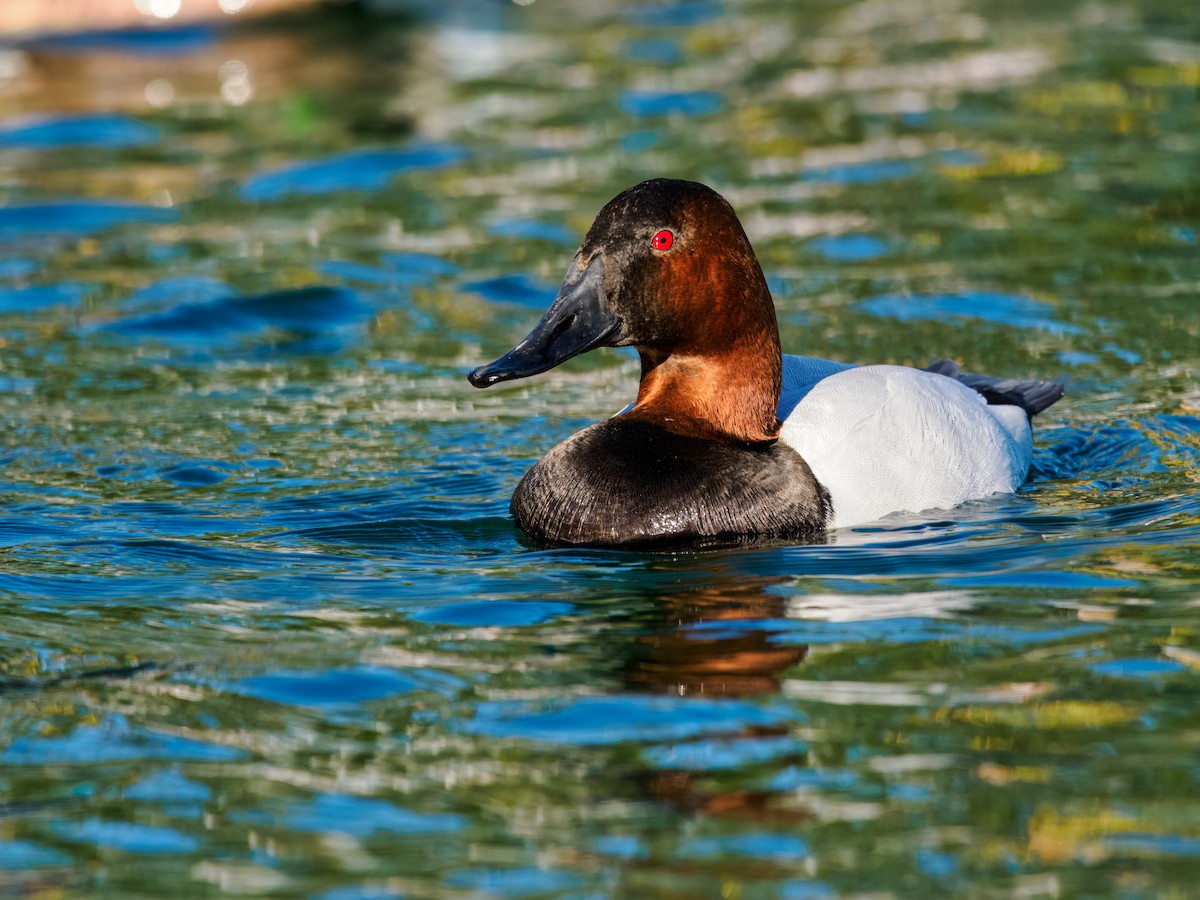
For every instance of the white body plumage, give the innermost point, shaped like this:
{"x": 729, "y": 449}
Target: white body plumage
{"x": 886, "y": 439}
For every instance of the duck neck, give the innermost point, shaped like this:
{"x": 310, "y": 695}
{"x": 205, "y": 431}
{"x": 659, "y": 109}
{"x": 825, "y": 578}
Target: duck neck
{"x": 730, "y": 397}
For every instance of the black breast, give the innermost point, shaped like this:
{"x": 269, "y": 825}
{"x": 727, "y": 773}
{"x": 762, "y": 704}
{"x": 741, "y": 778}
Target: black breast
{"x": 623, "y": 483}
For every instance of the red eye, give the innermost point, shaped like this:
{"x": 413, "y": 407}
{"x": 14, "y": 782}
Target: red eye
{"x": 663, "y": 240}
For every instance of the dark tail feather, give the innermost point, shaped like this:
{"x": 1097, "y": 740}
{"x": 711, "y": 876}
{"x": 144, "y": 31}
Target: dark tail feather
{"x": 1031, "y": 396}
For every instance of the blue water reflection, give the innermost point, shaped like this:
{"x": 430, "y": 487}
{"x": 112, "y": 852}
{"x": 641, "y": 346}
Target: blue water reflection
{"x": 806, "y": 890}
{"x": 42, "y": 296}
{"x": 25, "y": 855}
{"x": 128, "y": 837}
{"x": 362, "y": 817}
{"x": 188, "y": 475}
{"x": 1139, "y": 668}
{"x": 178, "y": 290}
{"x": 624, "y": 846}
{"x": 533, "y": 230}
{"x": 422, "y": 266}
{"x": 1003, "y": 309}
{"x": 849, "y": 247}
{"x": 224, "y": 320}
{"x": 1133, "y": 844}
{"x": 337, "y": 688}
{"x": 679, "y": 14}
{"x": 659, "y": 50}
{"x": 896, "y": 630}
{"x": 795, "y": 778}
{"x": 494, "y": 613}
{"x": 645, "y": 104}
{"x": 76, "y": 217}
{"x": 352, "y": 271}
{"x": 97, "y": 130}
{"x": 522, "y": 882}
{"x": 113, "y": 740}
{"x": 637, "y": 141}
{"x": 356, "y": 170}
{"x": 701, "y": 756}
{"x": 15, "y": 267}
{"x": 168, "y": 786}
{"x": 162, "y": 41}
{"x": 936, "y": 863}
{"x": 764, "y": 845}
{"x": 518, "y": 289}
{"x": 608, "y": 720}
{"x": 360, "y": 892}
{"x": 864, "y": 172}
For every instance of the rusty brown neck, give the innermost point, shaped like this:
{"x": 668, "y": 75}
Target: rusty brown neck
{"x": 731, "y": 396}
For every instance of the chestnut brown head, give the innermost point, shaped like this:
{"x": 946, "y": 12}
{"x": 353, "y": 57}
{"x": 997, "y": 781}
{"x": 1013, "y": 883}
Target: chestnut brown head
{"x": 667, "y": 268}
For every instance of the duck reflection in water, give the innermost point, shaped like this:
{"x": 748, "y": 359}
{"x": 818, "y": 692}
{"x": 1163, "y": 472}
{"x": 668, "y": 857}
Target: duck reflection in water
{"x": 679, "y": 658}
{"x": 684, "y": 660}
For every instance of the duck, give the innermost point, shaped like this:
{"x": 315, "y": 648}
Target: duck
{"x": 729, "y": 440}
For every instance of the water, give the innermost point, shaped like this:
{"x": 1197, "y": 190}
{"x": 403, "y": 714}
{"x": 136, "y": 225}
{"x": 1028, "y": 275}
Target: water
{"x": 266, "y": 626}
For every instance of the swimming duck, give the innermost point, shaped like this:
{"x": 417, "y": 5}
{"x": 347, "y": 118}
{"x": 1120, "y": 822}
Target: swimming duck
{"x": 728, "y": 439}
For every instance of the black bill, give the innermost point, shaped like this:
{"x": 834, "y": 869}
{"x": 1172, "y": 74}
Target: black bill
{"x": 577, "y": 321}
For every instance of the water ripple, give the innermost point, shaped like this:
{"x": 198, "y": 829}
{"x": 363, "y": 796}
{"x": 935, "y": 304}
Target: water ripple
{"x": 95, "y": 130}
{"x": 357, "y": 170}
{"x": 646, "y": 104}
{"x": 1003, "y": 309}
{"x": 362, "y": 817}
{"x": 24, "y": 855}
{"x": 268, "y": 625}
{"x": 333, "y": 688}
{"x": 113, "y": 740}
{"x": 523, "y": 882}
{"x": 863, "y": 172}
{"x": 615, "y": 719}
{"x": 42, "y": 296}
{"x": 849, "y": 247}
{"x": 306, "y": 311}
{"x": 76, "y": 217}
{"x": 761, "y": 845}
{"x": 494, "y": 613}
{"x": 129, "y": 837}
{"x": 167, "y": 786}
{"x": 522, "y": 290}
{"x": 166, "y": 41}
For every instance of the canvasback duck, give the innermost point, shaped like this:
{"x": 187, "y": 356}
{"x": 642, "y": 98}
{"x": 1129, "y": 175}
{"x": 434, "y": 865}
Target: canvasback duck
{"x": 728, "y": 439}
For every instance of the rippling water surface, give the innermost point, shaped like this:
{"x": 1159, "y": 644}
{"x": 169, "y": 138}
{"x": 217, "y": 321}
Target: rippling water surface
{"x": 266, "y": 627}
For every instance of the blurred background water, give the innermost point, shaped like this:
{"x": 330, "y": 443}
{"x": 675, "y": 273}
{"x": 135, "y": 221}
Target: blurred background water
{"x": 265, "y": 625}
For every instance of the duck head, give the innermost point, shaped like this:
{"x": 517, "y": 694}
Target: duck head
{"x": 667, "y": 268}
